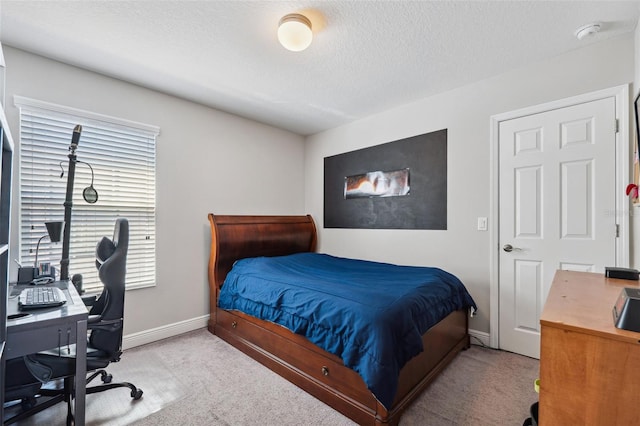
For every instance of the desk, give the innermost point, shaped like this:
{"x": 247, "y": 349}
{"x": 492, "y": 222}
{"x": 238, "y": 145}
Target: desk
{"x": 44, "y": 329}
{"x": 588, "y": 367}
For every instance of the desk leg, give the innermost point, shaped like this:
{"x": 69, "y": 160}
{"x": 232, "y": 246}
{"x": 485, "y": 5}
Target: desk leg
{"x": 81, "y": 371}
{"x": 2, "y": 373}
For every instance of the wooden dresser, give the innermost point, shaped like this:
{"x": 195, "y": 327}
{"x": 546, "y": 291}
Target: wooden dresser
{"x": 589, "y": 369}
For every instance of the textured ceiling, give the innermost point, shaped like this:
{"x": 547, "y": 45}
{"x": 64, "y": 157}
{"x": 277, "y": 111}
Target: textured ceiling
{"x": 366, "y": 57}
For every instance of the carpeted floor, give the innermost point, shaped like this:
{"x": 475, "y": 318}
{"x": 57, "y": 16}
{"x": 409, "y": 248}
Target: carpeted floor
{"x": 197, "y": 379}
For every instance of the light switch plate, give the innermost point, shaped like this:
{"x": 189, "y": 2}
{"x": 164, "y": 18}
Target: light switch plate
{"x": 482, "y": 224}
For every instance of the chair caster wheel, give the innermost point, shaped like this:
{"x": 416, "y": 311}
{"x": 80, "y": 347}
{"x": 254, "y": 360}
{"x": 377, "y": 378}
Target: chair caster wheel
{"x": 105, "y": 377}
{"x": 137, "y": 394}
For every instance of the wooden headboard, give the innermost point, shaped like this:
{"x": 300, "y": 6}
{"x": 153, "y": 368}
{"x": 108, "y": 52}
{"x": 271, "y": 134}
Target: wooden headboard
{"x": 239, "y": 237}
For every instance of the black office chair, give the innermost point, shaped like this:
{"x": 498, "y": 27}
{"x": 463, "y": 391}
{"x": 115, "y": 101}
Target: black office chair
{"x": 25, "y": 375}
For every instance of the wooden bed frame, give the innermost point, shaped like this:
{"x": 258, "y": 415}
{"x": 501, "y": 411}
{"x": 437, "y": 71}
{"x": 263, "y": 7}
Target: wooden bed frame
{"x": 318, "y": 372}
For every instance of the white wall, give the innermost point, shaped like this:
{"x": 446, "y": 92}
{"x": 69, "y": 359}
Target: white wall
{"x": 207, "y": 161}
{"x": 465, "y": 112}
{"x": 635, "y": 223}
{"x": 636, "y": 51}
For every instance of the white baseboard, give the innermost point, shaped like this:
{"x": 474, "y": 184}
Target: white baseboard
{"x": 148, "y": 336}
{"x": 481, "y": 336}
{"x": 170, "y": 330}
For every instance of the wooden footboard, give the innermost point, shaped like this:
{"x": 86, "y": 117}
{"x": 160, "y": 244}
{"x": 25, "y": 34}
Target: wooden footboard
{"x": 292, "y": 356}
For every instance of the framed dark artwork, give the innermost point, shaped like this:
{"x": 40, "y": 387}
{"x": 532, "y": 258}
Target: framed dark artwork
{"x": 377, "y": 184}
{"x": 396, "y": 185}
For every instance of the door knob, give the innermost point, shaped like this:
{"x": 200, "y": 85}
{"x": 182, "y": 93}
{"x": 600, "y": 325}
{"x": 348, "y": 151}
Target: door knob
{"x": 508, "y": 248}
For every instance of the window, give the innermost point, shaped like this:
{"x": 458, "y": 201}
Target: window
{"x": 122, "y": 156}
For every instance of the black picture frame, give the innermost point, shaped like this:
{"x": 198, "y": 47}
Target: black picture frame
{"x": 636, "y": 106}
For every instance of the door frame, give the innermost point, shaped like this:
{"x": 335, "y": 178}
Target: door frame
{"x": 622, "y": 204}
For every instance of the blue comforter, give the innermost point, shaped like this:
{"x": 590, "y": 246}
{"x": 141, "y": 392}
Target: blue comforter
{"x": 372, "y": 315}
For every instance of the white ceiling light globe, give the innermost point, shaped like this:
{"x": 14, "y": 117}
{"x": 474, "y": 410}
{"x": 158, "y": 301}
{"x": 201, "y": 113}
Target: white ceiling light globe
{"x": 294, "y": 32}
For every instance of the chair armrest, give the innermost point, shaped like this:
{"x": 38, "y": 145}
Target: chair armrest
{"x": 89, "y": 300}
{"x": 108, "y": 325}
{"x": 94, "y": 319}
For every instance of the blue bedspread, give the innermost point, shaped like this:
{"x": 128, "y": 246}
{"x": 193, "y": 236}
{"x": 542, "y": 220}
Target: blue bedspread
{"x": 372, "y": 315}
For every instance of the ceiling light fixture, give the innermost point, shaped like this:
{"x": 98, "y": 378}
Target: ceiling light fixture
{"x": 587, "y": 30}
{"x": 294, "y": 32}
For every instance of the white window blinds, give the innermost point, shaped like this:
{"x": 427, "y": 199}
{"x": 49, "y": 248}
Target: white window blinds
{"x": 122, "y": 155}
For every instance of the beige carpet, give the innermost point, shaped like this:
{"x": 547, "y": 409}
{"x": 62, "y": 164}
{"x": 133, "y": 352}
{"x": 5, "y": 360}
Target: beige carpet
{"x": 197, "y": 379}
{"x": 481, "y": 387}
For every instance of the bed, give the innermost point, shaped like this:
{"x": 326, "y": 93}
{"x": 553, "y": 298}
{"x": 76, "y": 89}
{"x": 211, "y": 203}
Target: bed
{"x": 295, "y": 357}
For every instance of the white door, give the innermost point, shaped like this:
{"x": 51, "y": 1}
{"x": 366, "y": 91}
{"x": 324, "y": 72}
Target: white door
{"x": 556, "y": 205}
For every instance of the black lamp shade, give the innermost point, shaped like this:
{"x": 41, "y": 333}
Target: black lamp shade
{"x": 55, "y": 230}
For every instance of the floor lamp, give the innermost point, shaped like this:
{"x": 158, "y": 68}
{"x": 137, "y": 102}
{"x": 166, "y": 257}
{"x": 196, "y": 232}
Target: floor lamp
{"x": 90, "y": 196}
